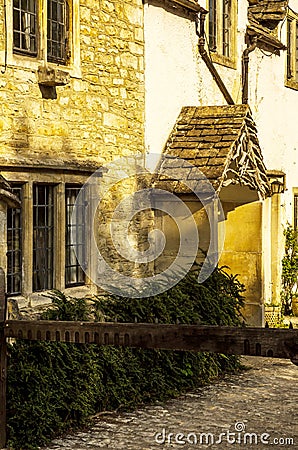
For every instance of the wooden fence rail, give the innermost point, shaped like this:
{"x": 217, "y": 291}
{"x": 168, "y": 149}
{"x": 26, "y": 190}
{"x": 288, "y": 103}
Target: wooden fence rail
{"x": 278, "y": 343}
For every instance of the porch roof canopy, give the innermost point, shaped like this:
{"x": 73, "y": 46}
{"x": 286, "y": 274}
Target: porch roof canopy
{"x": 222, "y": 142}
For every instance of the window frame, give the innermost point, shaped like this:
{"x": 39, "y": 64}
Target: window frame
{"x": 33, "y": 62}
{"x": 58, "y": 182}
{"x": 295, "y": 209}
{"x": 217, "y": 54}
{"x": 46, "y": 231}
{"x": 11, "y": 251}
{"x": 291, "y": 70}
{"x": 69, "y": 245}
{"x": 19, "y": 50}
{"x": 62, "y": 24}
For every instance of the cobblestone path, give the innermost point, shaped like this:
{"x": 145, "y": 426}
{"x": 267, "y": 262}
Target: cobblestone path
{"x": 256, "y": 409}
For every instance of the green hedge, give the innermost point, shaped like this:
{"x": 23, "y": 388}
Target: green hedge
{"x": 53, "y": 387}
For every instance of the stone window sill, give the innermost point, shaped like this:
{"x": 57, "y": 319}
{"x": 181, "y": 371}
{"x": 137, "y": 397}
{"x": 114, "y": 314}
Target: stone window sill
{"x": 292, "y": 84}
{"x": 33, "y": 63}
{"x": 224, "y": 60}
{"x": 41, "y": 298}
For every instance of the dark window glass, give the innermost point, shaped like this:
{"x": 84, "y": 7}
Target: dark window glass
{"x": 57, "y": 30}
{"x": 296, "y": 52}
{"x": 14, "y": 247}
{"x": 296, "y": 212}
{"x": 289, "y": 49}
{"x": 24, "y": 26}
{"x": 212, "y": 25}
{"x": 43, "y": 237}
{"x": 75, "y": 227}
{"x": 226, "y": 28}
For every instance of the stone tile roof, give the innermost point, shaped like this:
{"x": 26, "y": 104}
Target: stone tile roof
{"x": 4, "y": 184}
{"x": 263, "y": 19}
{"x": 267, "y": 12}
{"x": 221, "y": 141}
{"x": 6, "y": 193}
{"x": 265, "y": 36}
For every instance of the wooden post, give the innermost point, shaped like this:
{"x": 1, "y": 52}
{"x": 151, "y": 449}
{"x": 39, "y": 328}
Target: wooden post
{"x": 3, "y": 361}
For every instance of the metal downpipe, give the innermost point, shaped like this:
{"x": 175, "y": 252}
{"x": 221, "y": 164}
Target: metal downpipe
{"x": 200, "y": 30}
{"x": 245, "y": 60}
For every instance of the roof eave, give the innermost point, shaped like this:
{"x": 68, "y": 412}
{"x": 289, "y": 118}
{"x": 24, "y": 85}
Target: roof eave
{"x": 10, "y": 199}
{"x": 191, "y": 5}
{"x": 265, "y": 38}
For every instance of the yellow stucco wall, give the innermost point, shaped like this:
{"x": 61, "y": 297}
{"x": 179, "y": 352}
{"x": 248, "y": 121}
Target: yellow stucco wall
{"x": 243, "y": 250}
{"x": 242, "y": 253}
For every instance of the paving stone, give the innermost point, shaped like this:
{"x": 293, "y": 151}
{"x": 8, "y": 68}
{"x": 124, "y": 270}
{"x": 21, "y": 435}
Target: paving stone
{"x": 262, "y": 399}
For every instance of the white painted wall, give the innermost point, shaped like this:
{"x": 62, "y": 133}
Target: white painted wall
{"x": 175, "y": 76}
{"x": 274, "y": 108}
{"x": 171, "y": 72}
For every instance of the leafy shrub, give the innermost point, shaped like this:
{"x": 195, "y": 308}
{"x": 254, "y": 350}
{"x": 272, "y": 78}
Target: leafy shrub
{"x": 54, "y": 386}
{"x": 289, "y": 270}
{"x": 47, "y": 389}
{"x": 217, "y": 301}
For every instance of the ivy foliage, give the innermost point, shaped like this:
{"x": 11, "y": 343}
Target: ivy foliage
{"x": 54, "y": 387}
{"x": 289, "y": 270}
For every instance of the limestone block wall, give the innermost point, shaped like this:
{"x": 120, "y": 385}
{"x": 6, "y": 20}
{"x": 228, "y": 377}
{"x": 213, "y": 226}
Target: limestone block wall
{"x": 60, "y": 135}
{"x": 99, "y": 114}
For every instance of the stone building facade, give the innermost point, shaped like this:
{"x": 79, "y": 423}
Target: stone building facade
{"x": 252, "y": 48}
{"x": 72, "y": 100}
{"x": 84, "y": 83}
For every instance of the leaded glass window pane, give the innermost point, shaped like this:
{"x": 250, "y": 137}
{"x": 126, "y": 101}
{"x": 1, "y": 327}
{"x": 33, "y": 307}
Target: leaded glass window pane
{"x": 212, "y": 25}
{"x": 226, "y": 28}
{"x": 43, "y": 237}
{"x": 14, "y": 247}
{"x": 57, "y": 29}
{"x": 75, "y": 227}
{"x": 25, "y": 26}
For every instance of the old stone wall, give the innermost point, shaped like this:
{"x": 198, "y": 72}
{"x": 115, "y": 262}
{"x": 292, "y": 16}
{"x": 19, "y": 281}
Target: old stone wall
{"x": 60, "y": 132}
{"x": 94, "y": 118}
